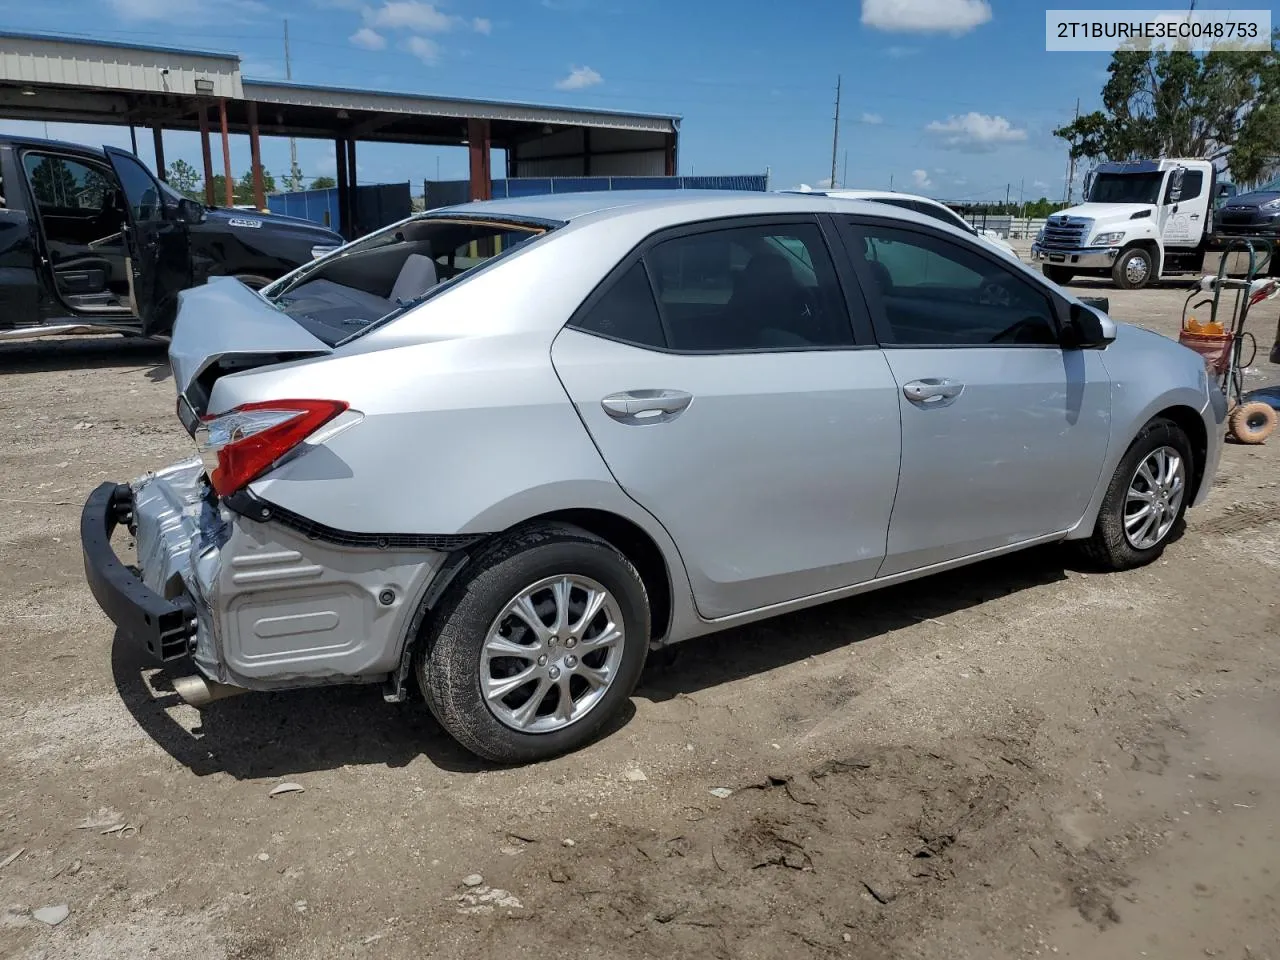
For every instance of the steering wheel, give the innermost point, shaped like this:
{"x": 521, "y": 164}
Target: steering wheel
{"x": 993, "y": 293}
{"x": 1014, "y": 332}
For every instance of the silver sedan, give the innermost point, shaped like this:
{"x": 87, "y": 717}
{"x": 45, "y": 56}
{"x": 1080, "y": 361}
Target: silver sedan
{"x": 503, "y": 450}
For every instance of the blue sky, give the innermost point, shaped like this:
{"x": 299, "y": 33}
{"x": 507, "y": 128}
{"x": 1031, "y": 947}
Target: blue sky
{"x": 952, "y": 98}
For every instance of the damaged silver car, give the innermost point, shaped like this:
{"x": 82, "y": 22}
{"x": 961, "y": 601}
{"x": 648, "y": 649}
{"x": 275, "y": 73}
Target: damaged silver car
{"x": 503, "y": 450}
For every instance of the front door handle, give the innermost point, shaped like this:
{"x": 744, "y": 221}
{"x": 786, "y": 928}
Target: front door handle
{"x": 646, "y": 406}
{"x": 932, "y": 391}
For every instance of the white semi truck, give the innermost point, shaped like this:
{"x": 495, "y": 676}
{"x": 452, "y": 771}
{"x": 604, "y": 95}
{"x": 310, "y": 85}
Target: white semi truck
{"x": 1143, "y": 220}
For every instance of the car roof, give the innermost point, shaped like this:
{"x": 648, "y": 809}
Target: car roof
{"x": 680, "y": 205}
{"x": 21, "y": 141}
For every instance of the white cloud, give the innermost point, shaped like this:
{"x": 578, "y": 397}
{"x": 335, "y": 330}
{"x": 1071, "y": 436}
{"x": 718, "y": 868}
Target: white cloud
{"x": 921, "y": 179}
{"x": 482, "y": 25}
{"x": 428, "y": 51}
{"x": 183, "y": 11}
{"x": 368, "y": 38}
{"x": 1039, "y": 183}
{"x": 410, "y": 15}
{"x": 872, "y": 118}
{"x": 579, "y": 78}
{"x": 899, "y": 52}
{"x": 925, "y": 16}
{"x": 975, "y": 132}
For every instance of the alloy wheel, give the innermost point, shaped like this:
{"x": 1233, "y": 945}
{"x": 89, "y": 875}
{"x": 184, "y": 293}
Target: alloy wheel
{"x": 1154, "y": 497}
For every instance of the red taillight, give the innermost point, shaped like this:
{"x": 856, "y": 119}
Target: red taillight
{"x": 249, "y": 439}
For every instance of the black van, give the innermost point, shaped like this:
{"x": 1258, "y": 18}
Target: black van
{"x": 90, "y": 239}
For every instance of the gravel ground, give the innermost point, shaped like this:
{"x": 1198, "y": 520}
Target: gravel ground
{"x": 1018, "y": 759}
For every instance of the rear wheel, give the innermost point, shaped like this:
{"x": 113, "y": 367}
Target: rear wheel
{"x": 538, "y": 647}
{"x": 1145, "y": 500}
{"x": 1059, "y": 275}
{"x": 1133, "y": 269}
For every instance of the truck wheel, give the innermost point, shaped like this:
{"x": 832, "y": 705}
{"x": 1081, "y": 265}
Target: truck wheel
{"x": 537, "y": 644}
{"x": 1252, "y": 422}
{"x": 1145, "y": 499}
{"x": 1059, "y": 275}
{"x": 1133, "y": 269}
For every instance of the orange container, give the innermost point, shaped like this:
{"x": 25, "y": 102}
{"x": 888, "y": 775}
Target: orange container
{"x": 1214, "y": 347}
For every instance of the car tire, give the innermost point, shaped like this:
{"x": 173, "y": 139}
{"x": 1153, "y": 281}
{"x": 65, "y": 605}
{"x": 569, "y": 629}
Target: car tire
{"x": 1116, "y": 543}
{"x": 1059, "y": 275}
{"x": 1252, "y": 422}
{"x": 460, "y": 676}
{"x": 253, "y": 281}
{"x": 1133, "y": 269}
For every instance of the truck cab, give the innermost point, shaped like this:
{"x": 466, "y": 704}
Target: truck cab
{"x": 1141, "y": 220}
{"x": 92, "y": 241}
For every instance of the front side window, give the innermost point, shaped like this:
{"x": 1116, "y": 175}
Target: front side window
{"x": 934, "y": 291}
{"x": 65, "y": 186}
{"x": 1192, "y": 184}
{"x": 767, "y": 287}
{"x": 139, "y": 189}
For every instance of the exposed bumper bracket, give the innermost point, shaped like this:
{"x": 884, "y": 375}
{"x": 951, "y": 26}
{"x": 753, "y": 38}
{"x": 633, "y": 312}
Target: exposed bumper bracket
{"x": 165, "y": 627}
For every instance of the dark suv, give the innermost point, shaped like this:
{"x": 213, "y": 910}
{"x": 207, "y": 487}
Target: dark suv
{"x": 90, "y": 238}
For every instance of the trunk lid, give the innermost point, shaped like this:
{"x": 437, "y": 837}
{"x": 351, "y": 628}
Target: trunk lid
{"x": 224, "y": 327}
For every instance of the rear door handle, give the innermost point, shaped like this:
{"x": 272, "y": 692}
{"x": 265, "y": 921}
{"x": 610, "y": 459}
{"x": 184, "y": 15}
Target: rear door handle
{"x": 646, "y": 406}
{"x": 932, "y": 391}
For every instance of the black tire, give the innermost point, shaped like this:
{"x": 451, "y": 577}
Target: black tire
{"x": 1120, "y": 273}
{"x": 253, "y": 281}
{"x": 448, "y": 664}
{"x": 1059, "y": 275}
{"x": 1108, "y": 547}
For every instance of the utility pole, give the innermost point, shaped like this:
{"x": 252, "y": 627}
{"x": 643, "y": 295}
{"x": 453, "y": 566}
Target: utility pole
{"x": 835, "y": 134}
{"x": 844, "y": 177}
{"x": 1071, "y": 163}
{"x": 295, "y": 175}
{"x": 1007, "y": 186}
{"x": 891, "y": 183}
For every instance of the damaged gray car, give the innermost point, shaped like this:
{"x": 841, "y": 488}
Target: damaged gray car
{"x": 499, "y": 452}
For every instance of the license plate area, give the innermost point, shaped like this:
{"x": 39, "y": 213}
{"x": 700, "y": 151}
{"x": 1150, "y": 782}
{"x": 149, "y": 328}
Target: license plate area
{"x": 1057, "y": 258}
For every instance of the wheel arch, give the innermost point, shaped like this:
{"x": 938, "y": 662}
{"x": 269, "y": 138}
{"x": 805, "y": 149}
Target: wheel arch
{"x": 1175, "y": 407}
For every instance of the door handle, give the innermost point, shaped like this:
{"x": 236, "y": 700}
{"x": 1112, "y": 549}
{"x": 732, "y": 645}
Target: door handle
{"x": 932, "y": 391}
{"x": 646, "y": 406}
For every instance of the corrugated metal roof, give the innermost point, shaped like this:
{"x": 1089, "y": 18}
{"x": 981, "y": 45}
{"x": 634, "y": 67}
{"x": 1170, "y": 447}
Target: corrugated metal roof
{"x": 349, "y": 98}
{"x": 96, "y": 42}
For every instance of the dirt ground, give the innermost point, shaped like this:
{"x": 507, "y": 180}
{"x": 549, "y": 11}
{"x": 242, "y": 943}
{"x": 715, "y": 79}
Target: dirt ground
{"x": 1019, "y": 759}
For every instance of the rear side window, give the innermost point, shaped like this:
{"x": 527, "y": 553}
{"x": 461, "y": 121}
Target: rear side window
{"x": 767, "y": 287}
{"x": 626, "y": 311}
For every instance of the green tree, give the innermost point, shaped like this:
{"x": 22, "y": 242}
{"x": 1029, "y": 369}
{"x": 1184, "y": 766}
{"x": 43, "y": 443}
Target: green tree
{"x": 1174, "y": 103}
{"x": 184, "y": 179}
{"x": 323, "y": 183}
{"x": 53, "y": 183}
{"x": 244, "y": 188}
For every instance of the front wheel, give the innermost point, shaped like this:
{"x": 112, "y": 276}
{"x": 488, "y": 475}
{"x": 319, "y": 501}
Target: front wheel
{"x": 537, "y": 647}
{"x": 1145, "y": 500}
{"x": 1133, "y": 269}
{"x": 1059, "y": 275}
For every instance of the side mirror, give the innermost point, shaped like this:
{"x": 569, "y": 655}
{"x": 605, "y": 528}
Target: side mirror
{"x": 1088, "y": 327}
{"x": 1175, "y": 184}
{"x": 189, "y": 211}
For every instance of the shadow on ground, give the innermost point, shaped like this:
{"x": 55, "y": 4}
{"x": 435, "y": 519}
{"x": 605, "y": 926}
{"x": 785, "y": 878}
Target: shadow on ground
{"x": 54, "y": 354}
{"x": 268, "y": 735}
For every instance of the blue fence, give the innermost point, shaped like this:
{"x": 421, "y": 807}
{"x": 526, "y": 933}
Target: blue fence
{"x": 377, "y": 204}
{"x": 445, "y": 193}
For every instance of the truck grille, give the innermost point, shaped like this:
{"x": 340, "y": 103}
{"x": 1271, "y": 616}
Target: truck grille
{"x": 1065, "y": 233}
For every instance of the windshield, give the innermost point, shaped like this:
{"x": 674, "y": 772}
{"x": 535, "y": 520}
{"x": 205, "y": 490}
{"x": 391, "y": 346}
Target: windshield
{"x": 1126, "y": 188}
{"x": 1271, "y": 186}
{"x": 375, "y": 279}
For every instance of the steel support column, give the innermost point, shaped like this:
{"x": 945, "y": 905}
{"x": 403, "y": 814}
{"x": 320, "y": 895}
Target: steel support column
{"x": 340, "y": 162}
{"x": 226, "y": 153}
{"x": 353, "y": 204}
{"x": 255, "y": 158}
{"x": 478, "y": 147}
{"x": 206, "y": 154}
{"x": 157, "y": 137}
